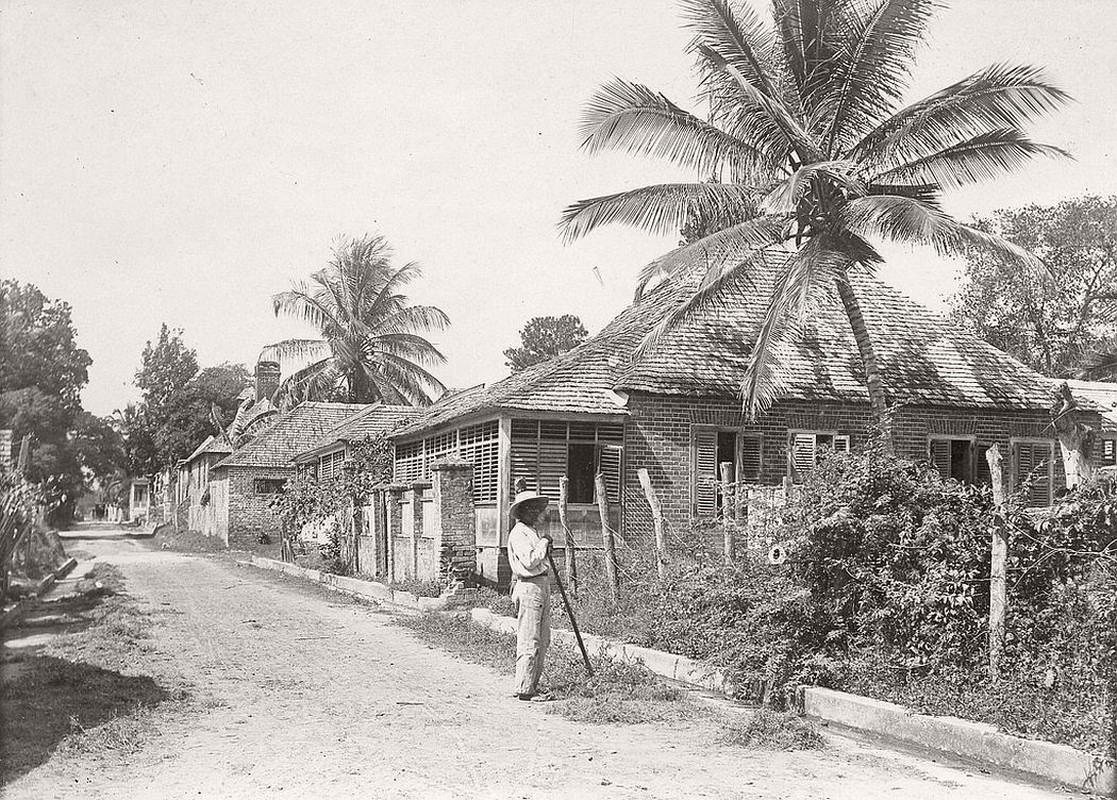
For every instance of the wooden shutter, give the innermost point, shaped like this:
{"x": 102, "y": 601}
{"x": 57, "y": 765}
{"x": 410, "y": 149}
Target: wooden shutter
{"x": 803, "y": 446}
{"x": 552, "y": 466}
{"x": 984, "y": 476}
{"x": 525, "y": 463}
{"x": 609, "y": 465}
{"x": 1108, "y": 452}
{"x": 752, "y": 448}
{"x": 704, "y": 452}
{"x": 1033, "y": 460}
{"x": 841, "y": 443}
{"x": 939, "y": 453}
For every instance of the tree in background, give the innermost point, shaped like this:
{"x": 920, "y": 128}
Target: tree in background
{"x": 167, "y": 366}
{"x": 99, "y": 446}
{"x": 187, "y": 416}
{"x": 371, "y": 346}
{"x": 544, "y": 337}
{"x": 42, "y": 372}
{"x": 1051, "y": 322}
{"x": 1101, "y": 363}
{"x": 806, "y": 124}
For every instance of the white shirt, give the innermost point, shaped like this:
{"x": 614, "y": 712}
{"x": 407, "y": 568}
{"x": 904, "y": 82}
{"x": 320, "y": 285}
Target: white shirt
{"x": 527, "y": 552}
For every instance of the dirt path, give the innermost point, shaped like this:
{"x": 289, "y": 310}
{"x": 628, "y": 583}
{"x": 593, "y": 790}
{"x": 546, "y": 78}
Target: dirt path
{"x": 316, "y": 697}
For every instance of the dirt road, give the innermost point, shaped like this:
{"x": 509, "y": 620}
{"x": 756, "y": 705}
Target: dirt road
{"x": 312, "y": 696}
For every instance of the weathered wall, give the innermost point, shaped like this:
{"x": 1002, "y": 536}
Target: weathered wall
{"x": 249, "y": 513}
{"x": 658, "y": 438}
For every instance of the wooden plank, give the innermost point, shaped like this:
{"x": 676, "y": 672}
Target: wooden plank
{"x": 607, "y": 537}
{"x": 571, "y": 568}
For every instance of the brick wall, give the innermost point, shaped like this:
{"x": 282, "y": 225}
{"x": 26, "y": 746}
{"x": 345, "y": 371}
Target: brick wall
{"x": 249, "y": 514}
{"x": 658, "y": 438}
{"x": 453, "y": 508}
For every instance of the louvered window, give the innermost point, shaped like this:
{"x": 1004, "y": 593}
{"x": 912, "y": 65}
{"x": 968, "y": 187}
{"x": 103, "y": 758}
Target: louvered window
{"x": 704, "y": 452}
{"x": 1032, "y": 463}
{"x": 329, "y": 465}
{"x": 408, "y": 463}
{"x": 478, "y": 445}
{"x": 1109, "y": 452}
{"x": 807, "y": 446}
{"x": 952, "y": 457}
{"x": 543, "y": 451}
{"x": 752, "y": 460}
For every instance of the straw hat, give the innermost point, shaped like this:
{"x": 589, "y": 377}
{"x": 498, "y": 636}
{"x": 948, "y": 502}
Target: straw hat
{"x": 528, "y": 498}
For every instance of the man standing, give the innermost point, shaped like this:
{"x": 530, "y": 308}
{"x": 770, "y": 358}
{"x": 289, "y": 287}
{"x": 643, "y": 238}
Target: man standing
{"x": 527, "y": 555}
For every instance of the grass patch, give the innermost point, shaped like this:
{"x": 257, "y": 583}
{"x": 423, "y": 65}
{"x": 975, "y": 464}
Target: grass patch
{"x": 79, "y": 692}
{"x": 619, "y": 693}
{"x": 185, "y": 541}
{"x": 419, "y": 588}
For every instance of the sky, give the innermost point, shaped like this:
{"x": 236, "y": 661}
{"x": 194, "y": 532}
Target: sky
{"x": 182, "y": 161}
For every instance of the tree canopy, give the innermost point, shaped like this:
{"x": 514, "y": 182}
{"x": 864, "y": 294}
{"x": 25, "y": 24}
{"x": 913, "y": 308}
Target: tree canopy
{"x": 42, "y": 373}
{"x": 167, "y": 366}
{"x": 1051, "y": 322}
{"x": 544, "y": 337}
{"x": 372, "y": 345}
{"x": 806, "y": 126}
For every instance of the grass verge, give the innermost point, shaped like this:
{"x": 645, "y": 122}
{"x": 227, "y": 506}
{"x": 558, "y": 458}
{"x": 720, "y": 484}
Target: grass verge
{"x": 78, "y": 688}
{"x": 619, "y": 692}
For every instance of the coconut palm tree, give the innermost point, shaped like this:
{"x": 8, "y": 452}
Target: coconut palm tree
{"x": 371, "y": 348}
{"x": 810, "y": 151}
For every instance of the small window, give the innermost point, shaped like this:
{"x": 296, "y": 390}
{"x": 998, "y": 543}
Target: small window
{"x": 1109, "y": 452}
{"x": 268, "y": 485}
{"x": 808, "y": 446}
{"x": 952, "y": 457}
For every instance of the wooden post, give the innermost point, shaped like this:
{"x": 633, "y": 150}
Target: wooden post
{"x": 657, "y": 523}
{"x": 607, "y": 536}
{"x": 568, "y": 537}
{"x": 728, "y": 511}
{"x": 997, "y": 592}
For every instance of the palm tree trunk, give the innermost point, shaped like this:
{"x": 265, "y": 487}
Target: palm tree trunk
{"x": 869, "y": 361}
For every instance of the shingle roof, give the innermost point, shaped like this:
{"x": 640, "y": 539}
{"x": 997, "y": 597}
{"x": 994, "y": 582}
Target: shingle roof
{"x": 210, "y": 445}
{"x": 1104, "y": 394}
{"x": 924, "y": 359}
{"x": 291, "y": 433}
{"x": 373, "y": 420}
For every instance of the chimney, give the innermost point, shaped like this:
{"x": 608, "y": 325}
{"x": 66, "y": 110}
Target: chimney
{"x": 267, "y": 379}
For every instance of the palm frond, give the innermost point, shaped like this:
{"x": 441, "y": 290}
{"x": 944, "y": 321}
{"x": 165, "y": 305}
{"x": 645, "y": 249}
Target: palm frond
{"x": 725, "y": 247}
{"x": 792, "y": 297}
{"x": 1101, "y": 363}
{"x": 980, "y": 158}
{"x": 410, "y": 319}
{"x": 910, "y": 221}
{"x": 316, "y": 381}
{"x": 719, "y": 288}
{"x": 796, "y": 137}
{"x": 737, "y": 34}
{"x": 873, "y": 71}
{"x": 406, "y": 378}
{"x": 313, "y": 349}
{"x": 996, "y": 98}
{"x": 301, "y": 303}
{"x": 405, "y": 345}
{"x": 660, "y": 209}
{"x": 633, "y": 118}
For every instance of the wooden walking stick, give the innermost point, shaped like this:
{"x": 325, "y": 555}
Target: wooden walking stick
{"x": 570, "y": 613}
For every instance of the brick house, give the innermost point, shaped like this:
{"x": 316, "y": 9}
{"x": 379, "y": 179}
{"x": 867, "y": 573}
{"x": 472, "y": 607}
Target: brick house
{"x": 326, "y": 455}
{"x": 242, "y": 483}
{"x": 191, "y": 489}
{"x": 1104, "y": 394}
{"x": 674, "y": 409}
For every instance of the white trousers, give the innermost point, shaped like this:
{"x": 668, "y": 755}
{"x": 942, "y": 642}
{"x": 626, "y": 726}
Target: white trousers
{"x": 533, "y": 630}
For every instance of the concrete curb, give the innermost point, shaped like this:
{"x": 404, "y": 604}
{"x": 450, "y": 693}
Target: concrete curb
{"x": 677, "y": 668}
{"x": 975, "y": 740}
{"x": 352, "y": 586}
{"x": 14, "y": 615}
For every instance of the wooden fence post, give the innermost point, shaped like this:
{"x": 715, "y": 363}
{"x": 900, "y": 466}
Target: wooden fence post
{"x": 997, "y": 591}
{"x": 571, "y": 567}
{"x": 657, "y": 523}
{"x": 728, "y": 511}
{"x": 607, "y": 536}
